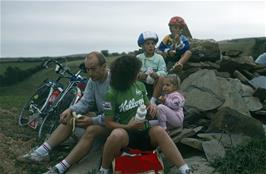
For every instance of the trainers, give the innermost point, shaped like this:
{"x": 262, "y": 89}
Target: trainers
{"x": 188, "y": 171}
{"x": 33, "y": 157}
{"x": 52, "y": 170}
{"x": 100, "y": 172}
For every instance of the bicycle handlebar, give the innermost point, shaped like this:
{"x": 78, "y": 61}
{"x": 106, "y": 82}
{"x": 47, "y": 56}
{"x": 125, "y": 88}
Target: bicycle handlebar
{"x": 47, "y": 62}
{"x": 62, "y": 70}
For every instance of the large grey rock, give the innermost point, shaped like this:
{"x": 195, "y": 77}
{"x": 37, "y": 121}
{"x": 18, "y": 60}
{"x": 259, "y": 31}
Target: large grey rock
{"x": 230, "y": 89}
{"x": 261, "y": 59}
{"x": 202, "y": 78}
{"x": 246, "y": 46}
{"x": 261, "y": 94}
{"x": 184, "y": 134}
{"x": 205, "y": 91}
{"x": 202, "y": 65}
{"x": 230, "y": 64}
{"x": 199, "y": 90}
{"x": 227, "y": 140}
{"x": 246, "y": 91}
{"x": 259, "y": 81}
{"x": 211, "y": 100}
{"x": 193, "y": 142}
{"x": 253, "y": 103}
{"x": 213, "y": 150}
{"x": 203, "y": 50}
{"x": 231, "y": 121}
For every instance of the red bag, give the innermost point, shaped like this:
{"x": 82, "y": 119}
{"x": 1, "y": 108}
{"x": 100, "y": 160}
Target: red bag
{"x": 138, "y": 162}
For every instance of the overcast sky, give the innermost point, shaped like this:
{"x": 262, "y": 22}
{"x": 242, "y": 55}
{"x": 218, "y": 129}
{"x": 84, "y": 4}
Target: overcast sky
{"x": 55, "y": 28}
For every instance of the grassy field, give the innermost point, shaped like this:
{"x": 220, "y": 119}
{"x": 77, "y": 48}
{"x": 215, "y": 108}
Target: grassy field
{"x": 17, "y": 94}
{"x": 21, "y": 65}
{"x": 16, "y": 140}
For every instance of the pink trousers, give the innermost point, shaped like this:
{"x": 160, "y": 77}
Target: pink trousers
{"x": 168, "y": 118}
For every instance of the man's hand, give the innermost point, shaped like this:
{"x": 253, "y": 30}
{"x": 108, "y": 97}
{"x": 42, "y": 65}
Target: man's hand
{"x": 84, "y": 121}
{"x": 65, "y": 116}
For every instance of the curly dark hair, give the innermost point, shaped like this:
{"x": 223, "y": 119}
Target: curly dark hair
{"x": 124, "y": 71}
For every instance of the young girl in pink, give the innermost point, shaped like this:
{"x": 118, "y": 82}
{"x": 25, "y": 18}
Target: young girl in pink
{"x": 170, "y": 113}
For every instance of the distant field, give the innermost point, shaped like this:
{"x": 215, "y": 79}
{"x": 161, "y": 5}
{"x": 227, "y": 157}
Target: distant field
{"x": 25, "y": 65}
{"x": 21, "y": 65}
{"x": 16, "y": 95}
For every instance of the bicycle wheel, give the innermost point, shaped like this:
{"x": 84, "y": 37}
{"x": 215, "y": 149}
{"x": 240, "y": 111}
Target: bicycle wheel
{"x": 51, "y": 121}
{"x": 36, "y": 103}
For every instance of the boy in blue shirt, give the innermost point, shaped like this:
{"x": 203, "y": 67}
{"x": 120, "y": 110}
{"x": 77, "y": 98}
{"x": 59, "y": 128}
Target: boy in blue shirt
{"x": 175, "y": 46}
{"x": 153, "y": 65}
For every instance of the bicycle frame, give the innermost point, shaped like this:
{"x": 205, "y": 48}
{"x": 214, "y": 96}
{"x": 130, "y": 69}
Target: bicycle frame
{"x": 51, "y": 113}
{"x": 65, "y": 91}
{"x": 52, "y": 88}
{"x": 43, "y": 104}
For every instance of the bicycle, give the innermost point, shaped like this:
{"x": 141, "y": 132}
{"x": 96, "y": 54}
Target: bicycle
{"x": 51, "y": 98}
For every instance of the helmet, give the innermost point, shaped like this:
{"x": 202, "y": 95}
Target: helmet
{"x": 147, "y": 35}
{"x": 176, "y": 20}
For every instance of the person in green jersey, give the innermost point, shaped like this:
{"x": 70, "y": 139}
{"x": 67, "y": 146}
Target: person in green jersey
{"x": 122, "y": 100}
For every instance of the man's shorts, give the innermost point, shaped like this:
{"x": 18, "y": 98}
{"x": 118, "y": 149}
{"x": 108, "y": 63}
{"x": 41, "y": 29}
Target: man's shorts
{"x": 97, "y": 120}
{"x": 140, "y": 139}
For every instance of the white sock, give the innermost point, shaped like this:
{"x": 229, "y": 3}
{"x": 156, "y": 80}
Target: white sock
{"x": 62, "y": 166}
{"x": 43, "y": 149}
{"x": 105, "y": 171}
{"x": 183, "y": 168}
{"x": 153, "y": 100}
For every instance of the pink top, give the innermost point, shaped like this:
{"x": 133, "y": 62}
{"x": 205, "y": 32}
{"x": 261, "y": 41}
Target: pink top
{"x": 175, "y": 101}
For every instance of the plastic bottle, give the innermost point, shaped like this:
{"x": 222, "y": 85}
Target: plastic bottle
{"x": 149, "y": 79}
{"x": 141, "y": 113}
{"x": 54, "y": 95}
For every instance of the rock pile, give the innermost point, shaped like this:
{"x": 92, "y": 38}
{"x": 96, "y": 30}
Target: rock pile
{"x": 225, "y": 101}
{"x": 225, "y": 93}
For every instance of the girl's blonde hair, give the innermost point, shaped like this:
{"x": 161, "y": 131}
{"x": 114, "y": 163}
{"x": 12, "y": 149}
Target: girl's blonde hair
{"x": 174, "y": 79}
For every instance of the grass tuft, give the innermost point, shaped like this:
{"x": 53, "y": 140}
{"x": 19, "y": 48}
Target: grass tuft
{"x": 249, "y": 159}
